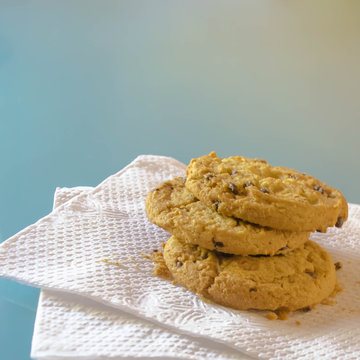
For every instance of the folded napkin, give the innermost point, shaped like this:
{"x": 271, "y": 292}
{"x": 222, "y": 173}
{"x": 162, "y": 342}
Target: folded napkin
{"x": 69, "y": 326}
{"x": 92, "y": 245}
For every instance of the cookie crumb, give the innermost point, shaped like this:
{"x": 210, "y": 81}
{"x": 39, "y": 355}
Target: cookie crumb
{"x": 111, "y": 262}
{"x": 173, "y": 282}
{"x": 145, "y": 256}
{"x": 282, "y": 314}
{"x": 160, "y": 268}
{"x": 338, "y": 265}
{"x": 204, "y": 299}
{"x": 297, "y": 322}
{"x": 327, "y": 301}
{"x": 271, "y": 315}
{"x": 338, "y": 289}
{"x": 136, "y": 266}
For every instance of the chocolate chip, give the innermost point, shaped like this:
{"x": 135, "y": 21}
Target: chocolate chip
{"x": 217, "y": 243}
{"x": 265, "y": 190}
{"x": 306, "y": 309}
{"x": 338, "y": 265}
{"x": 339, "y": 222}
{"x": 312, "y": 274}
{"x": 209, "y": 176}
{"x": 319, "y": 189}
{"x": 216, "y": 203}
{"x": 184, "y": 179}
{"x": 237, "y": 221}
{"x": 155, "y": 250}
{"x": 252, "y": 289}
{"x": 233, "y": 188}
{"x": 233, "y": 172}
{"x": 249, "y": 183}
{"x": 179, "y": 264}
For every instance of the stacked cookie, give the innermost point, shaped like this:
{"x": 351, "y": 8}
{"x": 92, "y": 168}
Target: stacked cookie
{"x": 241, "y": 232}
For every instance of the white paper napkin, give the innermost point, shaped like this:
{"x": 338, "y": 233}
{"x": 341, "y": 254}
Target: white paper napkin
{"x": 69, "y": 326}
{"x": 66, "y": 250}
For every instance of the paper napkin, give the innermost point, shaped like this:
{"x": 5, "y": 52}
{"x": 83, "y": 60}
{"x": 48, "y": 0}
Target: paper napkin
{"x": 69, "y": 326}
{"x": 67, "y": 251}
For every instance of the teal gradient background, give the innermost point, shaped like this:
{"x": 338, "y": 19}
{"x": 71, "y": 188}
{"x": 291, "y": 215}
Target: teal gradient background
{"x": 86, "y": 86}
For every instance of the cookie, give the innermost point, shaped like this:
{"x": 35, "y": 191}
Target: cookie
{"x": 302, "y": 278}
{"x": 253, "y": 190}
{"x": 175, "y": 209}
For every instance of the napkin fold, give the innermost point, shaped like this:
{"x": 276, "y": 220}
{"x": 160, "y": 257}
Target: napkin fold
{"x": 92, "y": 246}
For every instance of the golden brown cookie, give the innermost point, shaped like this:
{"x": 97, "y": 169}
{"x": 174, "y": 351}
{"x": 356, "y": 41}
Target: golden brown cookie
{"x": 301, "y": 278}
{"x": 253, "y": 190}
{"x": 175, "y": 209}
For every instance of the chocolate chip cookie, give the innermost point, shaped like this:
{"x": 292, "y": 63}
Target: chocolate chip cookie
{"x": 302, "y": 278}
{"x": 255, "y": 191}
{"x": 175, "y": 209}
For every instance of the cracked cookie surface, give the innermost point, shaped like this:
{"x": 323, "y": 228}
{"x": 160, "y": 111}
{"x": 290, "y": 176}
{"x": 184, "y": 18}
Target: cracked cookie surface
{"x": 302, "y": 278}
{"x": 255, "y": 191}
{"x": 175, "y": 209}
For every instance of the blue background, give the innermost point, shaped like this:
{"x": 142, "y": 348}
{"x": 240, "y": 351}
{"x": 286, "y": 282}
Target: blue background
{"x": 86, "y": 86}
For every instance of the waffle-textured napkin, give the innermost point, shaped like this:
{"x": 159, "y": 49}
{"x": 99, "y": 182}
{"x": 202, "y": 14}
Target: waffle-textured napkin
{"x": 69, "y": 326}
{"x": 86, "y": 247}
